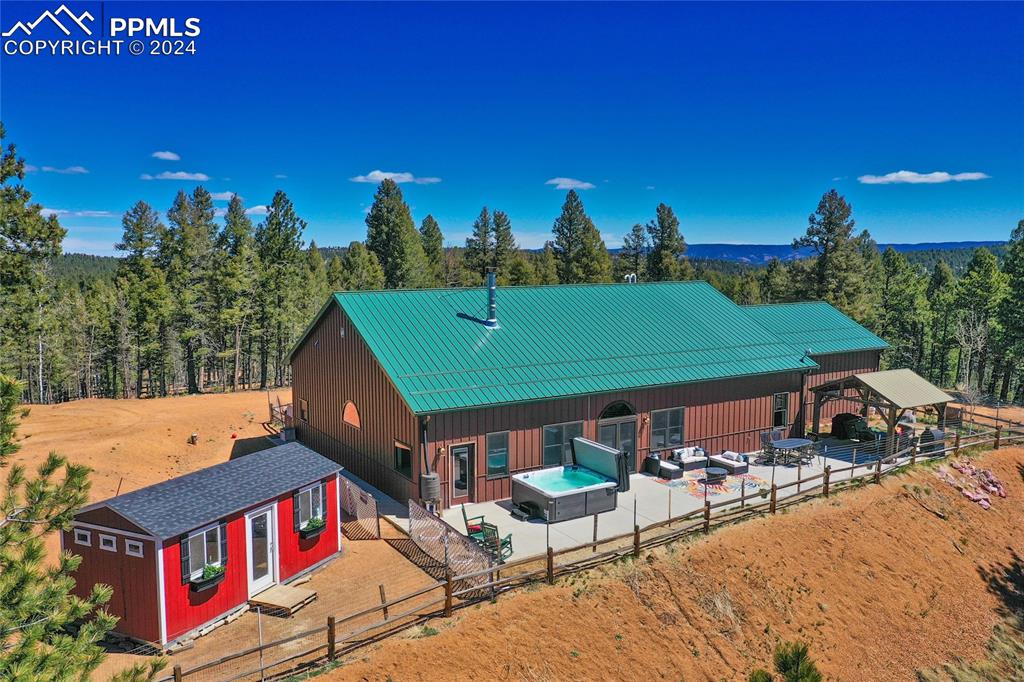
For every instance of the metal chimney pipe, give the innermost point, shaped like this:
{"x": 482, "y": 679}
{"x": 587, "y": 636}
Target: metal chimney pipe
{"x": 492, "y": 303}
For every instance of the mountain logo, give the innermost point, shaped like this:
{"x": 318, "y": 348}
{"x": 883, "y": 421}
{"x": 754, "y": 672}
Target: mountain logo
{"x": 69, "y": 17}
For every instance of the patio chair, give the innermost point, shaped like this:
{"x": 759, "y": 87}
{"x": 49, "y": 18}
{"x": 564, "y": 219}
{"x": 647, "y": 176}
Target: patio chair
{"x": 499, "y": 547}
{"x": 474, "y": 526}
{"x": 768, "y": 451}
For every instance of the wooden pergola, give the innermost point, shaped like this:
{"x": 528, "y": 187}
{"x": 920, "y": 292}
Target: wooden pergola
{"x": 892, "y": 393}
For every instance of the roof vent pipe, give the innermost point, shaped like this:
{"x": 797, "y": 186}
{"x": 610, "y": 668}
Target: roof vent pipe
{"x": 492, "y": 303}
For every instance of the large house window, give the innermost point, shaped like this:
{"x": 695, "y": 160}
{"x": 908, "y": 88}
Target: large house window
{"x": 403, "y": 459}
{"x": 309, "y": 504}
{"x": 497, "y": 454}
{"x": 204, "y": 549}
{"x": 557, "y": 442}
{"x": 780, "y": 409}
{"x": 667, "y": 428}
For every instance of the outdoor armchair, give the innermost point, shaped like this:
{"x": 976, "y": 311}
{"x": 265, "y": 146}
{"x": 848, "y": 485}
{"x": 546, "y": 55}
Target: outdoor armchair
{"x": 474, "y": 525}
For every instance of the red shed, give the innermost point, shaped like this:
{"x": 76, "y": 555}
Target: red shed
{"x": 188, "y": 552}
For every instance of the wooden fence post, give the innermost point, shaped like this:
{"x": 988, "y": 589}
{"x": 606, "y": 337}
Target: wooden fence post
{"x": 824, "y": 479}
{"x": 551, "y": 566}
{"x": 594, "y": 548}
{"x": 999, "y": 430}
{"x": 177, "y": 673}
{"x": 913, "y": 455}
{"x": 775, "y": 492}
{"x": 636, "y": 541}
{"x": 878, "y": 470}
{"x": 956, "y": 444}
{"x": 330, "y": 638}
{"x": 383, "y": 601}
{"x": 707, "y": 517}
{"x": 854, "y": 465}
{"x": 447, "y": 592}
{"x": 799, "y": 474}
{"x": 743, "y": 495}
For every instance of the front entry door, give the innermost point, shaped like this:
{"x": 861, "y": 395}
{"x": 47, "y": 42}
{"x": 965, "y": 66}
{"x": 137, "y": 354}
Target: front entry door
{"x": 260, "y": 536}
{"x": 462, "y": 472}
{"x": 621, "y": 435}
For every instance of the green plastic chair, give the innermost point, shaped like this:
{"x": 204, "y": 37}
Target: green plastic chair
{"x": 499, "y": 547}
{"x": 474, "y": 526}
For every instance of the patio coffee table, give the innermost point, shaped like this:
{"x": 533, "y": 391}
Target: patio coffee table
{"x": 715, "y": 475}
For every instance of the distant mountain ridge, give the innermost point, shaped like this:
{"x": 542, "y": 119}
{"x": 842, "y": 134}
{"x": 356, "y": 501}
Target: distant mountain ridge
{"x": 759, "y": 254}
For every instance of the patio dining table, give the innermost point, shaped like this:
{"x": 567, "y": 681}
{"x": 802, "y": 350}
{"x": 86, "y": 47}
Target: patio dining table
{"x": 791, "y": 449}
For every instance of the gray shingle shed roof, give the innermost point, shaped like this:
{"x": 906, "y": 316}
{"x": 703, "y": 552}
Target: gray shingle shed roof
{"x": 187, "y": 502}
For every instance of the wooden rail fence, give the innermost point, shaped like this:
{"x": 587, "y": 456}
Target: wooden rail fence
{"x": 336, "y": 642}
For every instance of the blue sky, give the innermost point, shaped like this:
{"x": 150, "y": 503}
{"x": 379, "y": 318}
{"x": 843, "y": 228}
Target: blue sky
{"x": 739, "y": 116}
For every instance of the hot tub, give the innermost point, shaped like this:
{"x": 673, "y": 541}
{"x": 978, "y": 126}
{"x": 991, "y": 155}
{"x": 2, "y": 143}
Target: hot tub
{"x": 563, "y": 493}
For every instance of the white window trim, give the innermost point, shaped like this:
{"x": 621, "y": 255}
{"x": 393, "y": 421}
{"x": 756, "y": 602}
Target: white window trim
{"x": 104, "y": 537}
{"x": 309, "y": 489}
{"x": 194, "y": 575}
{"x": 81, "y": 533}
{"x": 133, "y": 548}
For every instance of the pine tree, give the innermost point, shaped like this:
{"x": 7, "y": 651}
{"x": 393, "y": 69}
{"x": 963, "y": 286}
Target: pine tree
{"x": 479, "y": 252}
{"x": 579, "y": 251}
{"x": 28, "y": 241}
{"x": 335, "y": 273}
{"x": 981, "y": 292}
{"x": 392, "y": 236}
{"x": 279, "y": 247}
{"x": 775, "y": 283}
{"x": 666, "y": 260}
{"x": 36, "y": 600}
{"x": 521, "y": 271}
{"x": 903, "y": 313}
{"x": 361, "y": 271}
{"x": 235, "y": 272}
{"x": 547, "y": 265}
{"x": 505, "y": 247}
{"x": 316, "y": 281}
{"x": 836, "y": 272}
{"x": 632, "y": 258}
{"x": 1011, "y": 312}
{"x": 941, "y": 295}
{"x": 433, "y": 250}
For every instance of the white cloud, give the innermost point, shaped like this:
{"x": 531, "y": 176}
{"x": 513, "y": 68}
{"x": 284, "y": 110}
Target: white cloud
{"x": 177, "y": 175}
{"x": 29, "y": 168}
{"x": 166, "y": 156}
{"x": 222, "y": 196}
{"x": 649, "y": 187}
{"x": 46, "y": 212}
{"x": 569, "y": 183}
{"x": 256, "y": 210}
{"x": 70, "y": 170}
{"x": 914, "y": 178}
{"x": 281, "y": 176}
{"x": 220, "y": 212}
{"x": 376, "y": 176}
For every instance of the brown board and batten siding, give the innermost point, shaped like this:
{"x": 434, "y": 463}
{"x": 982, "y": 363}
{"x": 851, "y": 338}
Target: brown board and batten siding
{"x": 718, "y": 415}
{"x": 332, "y": 367}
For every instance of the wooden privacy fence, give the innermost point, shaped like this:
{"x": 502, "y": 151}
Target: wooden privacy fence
{"x": 340, "y": 636}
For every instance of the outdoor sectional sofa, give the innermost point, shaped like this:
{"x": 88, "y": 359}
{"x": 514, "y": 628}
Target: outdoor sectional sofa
{"x": 733, "y": 462}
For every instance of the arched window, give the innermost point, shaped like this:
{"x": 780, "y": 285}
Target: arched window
{"x": 350, "y": 415}
{"x": 620, "y": 408}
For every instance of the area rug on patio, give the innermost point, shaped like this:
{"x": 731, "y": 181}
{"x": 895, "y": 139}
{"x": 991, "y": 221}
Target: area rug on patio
{"x": 732, "y": 485}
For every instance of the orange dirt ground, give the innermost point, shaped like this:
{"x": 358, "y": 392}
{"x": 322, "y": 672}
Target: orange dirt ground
{"x": 876, "y": 584}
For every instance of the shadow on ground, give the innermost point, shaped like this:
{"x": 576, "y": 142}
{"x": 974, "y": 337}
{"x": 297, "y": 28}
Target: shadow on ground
{"x": 1006, "y": 581}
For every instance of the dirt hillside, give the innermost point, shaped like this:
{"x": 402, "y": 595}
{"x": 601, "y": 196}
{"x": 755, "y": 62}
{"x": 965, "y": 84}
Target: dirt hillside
{"x": 877, "y": 584}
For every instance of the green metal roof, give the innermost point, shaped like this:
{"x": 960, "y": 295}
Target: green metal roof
{"x": 559, "y": 341}
{"x": 814, "y": 326}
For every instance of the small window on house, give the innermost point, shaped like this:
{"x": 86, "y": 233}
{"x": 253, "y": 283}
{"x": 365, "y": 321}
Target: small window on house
{"x": 108, "y": 542}
{"x": 303, "y": 410}
{"x": 203, "y": 550}
{"x": 558, "y": 442}
{"x": 667, "y": 428}
{"x": 497, "y": 454}
{"x": 83, "y": 537}
{"x": 780, "y": 409}
{"x": 133, "y": 548}
{"x": 350, "y": 415}
{"x": 403, "y": 459}
{"x": 310, "y": 503}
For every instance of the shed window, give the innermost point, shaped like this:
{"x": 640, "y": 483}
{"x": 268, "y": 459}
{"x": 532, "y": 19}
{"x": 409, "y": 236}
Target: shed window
{"x": 403, "y": 459}
{"x": 497, "y": 454}
{"x": 667, "y": 428}
{"x": 310, "y": 503}
{"x": 108, "y": 542}
{"x": 303, "y": 410}
{"x": 133, "y": 548}
{"x": 557, "y": 442}
{"x": 780, "y": 409}
{"x": 83, "y": 537}
{"x": 203, "y": 551}
{"x": 350, "y": 415}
